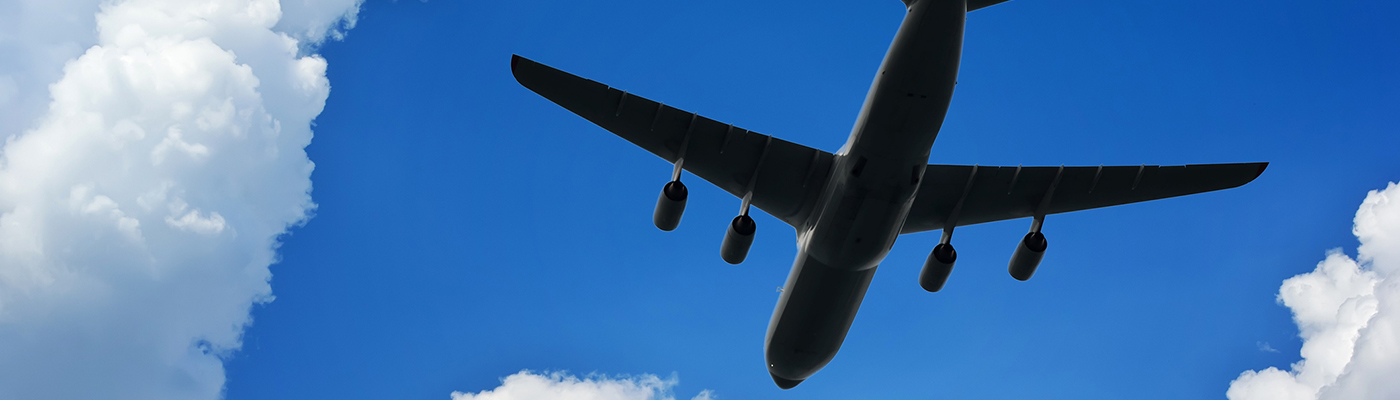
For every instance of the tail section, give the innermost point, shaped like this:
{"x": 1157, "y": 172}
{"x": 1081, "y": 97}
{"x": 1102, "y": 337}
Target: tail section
{"x": 976, "y": 4}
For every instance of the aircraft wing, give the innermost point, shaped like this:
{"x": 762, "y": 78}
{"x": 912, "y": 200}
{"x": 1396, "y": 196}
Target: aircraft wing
{"x": 784, "y": 178}
{"x": 1000, "y": 193}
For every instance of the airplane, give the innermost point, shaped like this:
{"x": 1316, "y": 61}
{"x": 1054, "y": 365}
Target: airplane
{"x": 849, "y": 207}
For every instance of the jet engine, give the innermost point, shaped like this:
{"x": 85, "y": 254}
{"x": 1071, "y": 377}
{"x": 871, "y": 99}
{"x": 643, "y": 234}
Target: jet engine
{"x": 738, "y": 239}
{"x": 670, "y": 206}
{"x": 937, "y": 267}
{"x": 1027, "y": 256}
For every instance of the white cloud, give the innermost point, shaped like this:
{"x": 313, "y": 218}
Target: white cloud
{"x": 1348, "y": 314}
{"x": 313, "y": 21}
{"x": 36, "y": 38}
{"x": 561, "y": 386}
{"x": 154, "y": 154}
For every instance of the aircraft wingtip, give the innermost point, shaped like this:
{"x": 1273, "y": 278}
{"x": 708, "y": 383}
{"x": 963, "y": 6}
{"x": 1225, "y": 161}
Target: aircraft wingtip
{"x": 1262, "y": 167}
{"x": 514, "y": 58}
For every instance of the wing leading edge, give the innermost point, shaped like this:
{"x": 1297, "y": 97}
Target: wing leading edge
{"x": 784, "y": 178}
{"x": 1000, "y": 193}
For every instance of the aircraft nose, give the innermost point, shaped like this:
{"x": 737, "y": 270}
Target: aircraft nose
{"x": 790, "y": 366}
{"x": 784, "y": 383}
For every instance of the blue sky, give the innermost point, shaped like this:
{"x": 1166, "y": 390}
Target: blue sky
{"x": 466, "y": 229}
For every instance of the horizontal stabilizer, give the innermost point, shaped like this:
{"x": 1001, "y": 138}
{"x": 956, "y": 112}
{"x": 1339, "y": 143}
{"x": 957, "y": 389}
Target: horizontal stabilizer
{"x": 971, "y": 4}
{"x": 976, "y": 4}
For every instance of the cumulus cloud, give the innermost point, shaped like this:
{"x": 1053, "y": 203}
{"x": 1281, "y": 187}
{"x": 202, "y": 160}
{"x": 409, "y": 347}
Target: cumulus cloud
{"x": 311, "y": 22}
{"x": 36, "y": 38}
{"x": 154, "y": 156}
{"x": 1348, "y": 314}
{"x": 526, "y": 385}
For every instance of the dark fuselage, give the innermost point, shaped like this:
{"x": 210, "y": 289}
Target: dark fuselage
{"x": 868, "y": 196}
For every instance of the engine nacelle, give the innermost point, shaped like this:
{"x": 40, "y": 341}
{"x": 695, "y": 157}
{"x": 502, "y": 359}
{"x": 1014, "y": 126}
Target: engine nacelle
{"x": 937, "y": 267}
{"x": 670, "y": 206}
{"x": 738, "y": 239}
{"x": 1027, "y": 256}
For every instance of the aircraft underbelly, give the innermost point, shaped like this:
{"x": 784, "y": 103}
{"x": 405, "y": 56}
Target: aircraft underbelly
{"x": 909, "y": 98}
{"x": 873, "y": 182}
{"x": 813, "y": 315}
{"x": 855, "y": 230}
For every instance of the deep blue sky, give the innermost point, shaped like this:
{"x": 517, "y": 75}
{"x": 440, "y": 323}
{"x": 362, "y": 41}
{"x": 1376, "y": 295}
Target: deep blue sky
{"x": 469, "y": 229}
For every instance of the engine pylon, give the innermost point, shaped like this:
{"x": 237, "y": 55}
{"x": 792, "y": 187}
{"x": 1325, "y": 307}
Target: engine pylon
{"x": 671, "y": 205}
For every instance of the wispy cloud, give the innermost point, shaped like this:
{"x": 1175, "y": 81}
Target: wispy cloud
{"x": 1348, "y": 314}
{"x": 527, "y": 385}
{"x": 1265, "y": 347}
{"x": 154, "y": 155}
